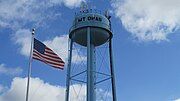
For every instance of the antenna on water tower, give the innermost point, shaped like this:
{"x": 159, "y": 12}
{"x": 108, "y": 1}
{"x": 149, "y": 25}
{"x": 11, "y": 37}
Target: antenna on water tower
{"x": 84, "y": 6}
{"x": 90, "y": 29}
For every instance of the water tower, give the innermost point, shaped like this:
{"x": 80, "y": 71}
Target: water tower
{"x": 91, "y": 29}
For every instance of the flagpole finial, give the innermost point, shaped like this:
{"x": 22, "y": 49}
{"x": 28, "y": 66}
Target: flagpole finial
{"x": 33, "y": 31}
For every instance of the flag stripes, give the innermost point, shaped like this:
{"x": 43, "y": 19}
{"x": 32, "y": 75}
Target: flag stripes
{"x": 47, "y": 56}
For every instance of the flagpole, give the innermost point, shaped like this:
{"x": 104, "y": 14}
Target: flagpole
{"x": 30, "y": 64}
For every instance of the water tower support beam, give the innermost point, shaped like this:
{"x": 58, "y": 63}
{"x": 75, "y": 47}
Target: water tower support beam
{"x": 70, "y": 45}
{"x": 112, "y": 71}
{"x": 90, "y": 68}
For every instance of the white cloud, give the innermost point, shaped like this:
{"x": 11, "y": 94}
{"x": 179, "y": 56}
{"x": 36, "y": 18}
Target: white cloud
{"x": 41, "y": 91}
{"x": 10, "y": 71}
{"x": 149, "y": 20}
{"x": 23, "y": 38}
{"x": 17, "y": 13}
{"x": 68, "y": 3}
{"x": 72, "y": 3}
{"x": 58, "y": 44}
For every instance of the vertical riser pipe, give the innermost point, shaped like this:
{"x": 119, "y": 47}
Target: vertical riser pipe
{"x": 90, "y": 68}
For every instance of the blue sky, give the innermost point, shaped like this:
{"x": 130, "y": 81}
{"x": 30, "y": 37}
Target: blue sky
{"x": 145, "y": 43}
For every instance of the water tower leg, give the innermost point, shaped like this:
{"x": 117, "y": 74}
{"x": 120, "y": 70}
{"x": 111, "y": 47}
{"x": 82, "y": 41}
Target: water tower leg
{"x": 112, "y": 71}
{"x": 69, "y": 69}
{"x": 90, "y": 68}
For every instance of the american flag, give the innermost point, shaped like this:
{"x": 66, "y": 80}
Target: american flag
{"x": 42, "y": 53}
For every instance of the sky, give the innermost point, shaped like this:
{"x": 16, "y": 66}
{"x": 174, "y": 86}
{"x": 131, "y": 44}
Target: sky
{"x": 146, "y": 49}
